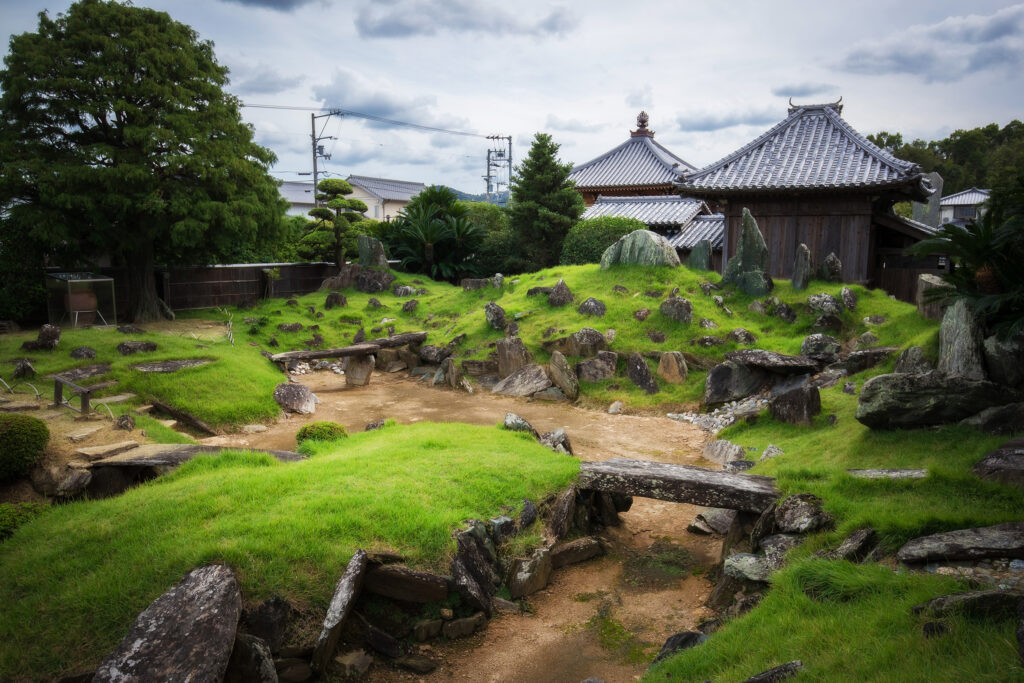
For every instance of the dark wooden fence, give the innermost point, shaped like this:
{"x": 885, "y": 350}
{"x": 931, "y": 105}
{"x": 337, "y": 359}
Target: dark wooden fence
{"x": 897, "y": 273}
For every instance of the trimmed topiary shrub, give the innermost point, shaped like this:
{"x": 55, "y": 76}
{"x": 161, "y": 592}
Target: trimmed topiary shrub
{"x": 22, "y": 440}
{"x": 321, "y": 431}
{"x": 589, "y": 238}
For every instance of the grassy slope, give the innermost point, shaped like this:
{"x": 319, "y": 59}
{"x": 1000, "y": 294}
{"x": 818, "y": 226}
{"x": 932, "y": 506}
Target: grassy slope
{"x": 73, "y": 579}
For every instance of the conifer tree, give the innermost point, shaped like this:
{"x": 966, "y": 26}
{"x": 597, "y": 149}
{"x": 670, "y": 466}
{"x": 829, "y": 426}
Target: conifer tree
{"x": 332, "y": 235}
{"x": 544, "y": 204}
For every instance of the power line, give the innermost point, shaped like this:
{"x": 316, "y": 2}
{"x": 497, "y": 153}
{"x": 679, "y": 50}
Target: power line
{"x": 369, "y": 117}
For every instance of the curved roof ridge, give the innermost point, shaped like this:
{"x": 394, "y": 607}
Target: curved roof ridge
{"x": 868, "y": 146}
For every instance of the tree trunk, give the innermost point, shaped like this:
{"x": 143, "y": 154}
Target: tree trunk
{"x": 143, "y": 301}
{"x": 339, "y": 248}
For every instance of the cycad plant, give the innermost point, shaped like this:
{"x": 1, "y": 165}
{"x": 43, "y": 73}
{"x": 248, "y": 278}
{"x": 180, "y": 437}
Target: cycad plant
{"x": 434, "y": 238}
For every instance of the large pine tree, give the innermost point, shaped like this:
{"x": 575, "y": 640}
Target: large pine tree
{"x": 544, "y": 205}
{"x": 117, "y": 139}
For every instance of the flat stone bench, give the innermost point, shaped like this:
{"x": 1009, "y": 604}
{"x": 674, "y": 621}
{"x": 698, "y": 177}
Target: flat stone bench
{"x": 680, "y": 484}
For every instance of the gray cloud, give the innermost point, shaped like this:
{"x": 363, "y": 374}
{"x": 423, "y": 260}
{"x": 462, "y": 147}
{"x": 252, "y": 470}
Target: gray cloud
{"x": 708, "y": 121}
{"x": 945, "y": 51}
{"x": 405, "y": 18}
{"x": 803, "y": 89}
{"x": 640, "y": 96}
{"x": 348, "y": 91}
{"x": 571, "y": 125}
{"x": 263, "y": 79}
{"x": 279, "y": 5}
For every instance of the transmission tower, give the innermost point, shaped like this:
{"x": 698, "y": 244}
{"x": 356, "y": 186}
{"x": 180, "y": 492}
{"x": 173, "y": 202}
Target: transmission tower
{"x": 498, "y": 157}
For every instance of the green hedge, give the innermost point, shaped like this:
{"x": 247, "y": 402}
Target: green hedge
{"x": 588, "y": 239}
{"x": 22, "y": 440}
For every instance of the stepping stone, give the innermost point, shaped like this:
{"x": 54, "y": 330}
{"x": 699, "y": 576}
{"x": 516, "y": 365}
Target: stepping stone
{"x": 888, "y": 473}
{"x": 119, "y": 398}
{"x": 171, "y": 365}
{"x": 999, "y": 540}
{"x": 107, "y": 450}
{"x": 1005, "y": 464}
{"x": 144, "y": 409}
{"x": 19, "y": 407}
{"x": 85, "y": 434}
{"x": 171, "y": 455}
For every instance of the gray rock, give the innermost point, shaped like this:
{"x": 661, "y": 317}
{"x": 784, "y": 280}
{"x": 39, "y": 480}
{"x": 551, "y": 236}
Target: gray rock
{"x": 427, "y": 629}
{"x": 708, "y": 324}
{"x": 398, "y": 582}
{"x": 832, "y": 268}
{"x": 371, "y": 252}
{"x": 798, "y": 406}
{"x": 641, "y": 314}
{"x": 700, "y": 256}
{"x": 777, "y": 363}
{"x": 575, "y": 551}
{"x": 403, "y": 291}
{"x": 723, "y": 451}
{"x": 824, "y": 303}
{"x": 335, "y": 300}
{"x": 358, "y": 370}
{"x": 821, "y": 347}
{"x": 530, "y": 575}
{"x": 251, "y": 662}
{"x": 185, "y": 634}
{"x": 677, "y": 308}
{"x": 469, "y": 588}
{"x": 849, "y": 298}
{"x": 748, "y": 268}
{"x": 473, "y": 283}
{"x": 295, "y": 398}
{"x": 1000, "y": 540}
{"x": 417, "y": 663}
{"x": 290, "y": 327}
{"x": 776, "y": 546}
{"x": 771, "y": 451}
{"x": 912, "y": 361}
{"x": 461, "y": 628}
{"x": 560, "y": 295}
{"x": 859, "y": 361}
{"x": 641, "y": 248}
{"x": 932, "y": 296}
{"x": 855, "y": 548}
{"x": 410, "y": 305}
{"x": 678, "y": 643}
{"x": 515, "y": 423}
{"x": 757, "y": 307}
{"x": 539, "y": 291}
{"x": 1004, "y": 360}
{"x": 583, "y": 343}
{"x": 801, "y": 514}
{"x": 563, "y": 376}
{"x": 639, "y": 373}
{"x": 717, "y": 520}
{"x": 960, "y": 343}
{"x": 495, "y": 315}
{"x": 989, "y": 604}
{"x": 850, "y": 388}
{"x": 741, "y": 336}
{"x": 23, "y": 369}
{"x": 747, "y": 567}
{"x": 672, "y": 367}
{"x": 908, "y": 401}
{"x": 802, "y": 268}
{"x": 778, "y": 673}
{"x": 731, "y": 381}
{"x": 599, "y": 368}
{"x": 512, "y": 355}
{"x": 83, "y": 352}
{"x": 738, "y": 465}
{"x": 784, "y": 312}
{"x": 888, "y": 473}
{"x": 525, "y": 381}
{"x": 1004, "y": 465}
{"x": 528, "y": 515}
{"x": 1005, "y": 420}
{"x": 346, "y": 591}
{"x": 592, "y": 307}
{"x": 557, "y": 441}
{"x": 828, "y": 322}
{"x": 616, "y": 408}
{"x": 129, "y": 348}
{"x": 47, "y": 339}
{"x": 74, "y": 484}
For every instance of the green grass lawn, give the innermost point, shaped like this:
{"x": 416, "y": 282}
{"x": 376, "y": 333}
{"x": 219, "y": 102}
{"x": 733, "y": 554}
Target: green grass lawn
{"x": 73, "y": 579}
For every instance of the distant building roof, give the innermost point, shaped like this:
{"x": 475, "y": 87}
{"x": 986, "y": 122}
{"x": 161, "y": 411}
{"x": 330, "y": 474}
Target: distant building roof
{"x": 971, "y": 197}
{"x": 638, "y": 162}
{"x": 708, "y": 227}
{"x": 297, "y": 191}
{"x": 659, "y": 211}
{"x": 813, "y": 148}
{"x": 392, "y": 190}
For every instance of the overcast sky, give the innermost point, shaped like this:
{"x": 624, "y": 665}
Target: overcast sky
{"x": 712, "y": 75}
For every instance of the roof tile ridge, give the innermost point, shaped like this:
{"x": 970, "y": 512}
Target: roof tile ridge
{"x": 602, "y": 157}
{"x": 873, "y": 150}
{"x": 662, "y": 152}
{"x": 753, "y": 144}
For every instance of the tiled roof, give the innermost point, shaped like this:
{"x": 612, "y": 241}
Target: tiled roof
{"x": 382, "y": 188}
{"x": 709, "y": 227}
{"x": 638, "y": 162}
{"x": 297, "y": 191}
{"x": 971, "y": 197}
{"x": 923, "y": 228}
{"x": 811, "y": 149}
{"x": 660, "y": 211}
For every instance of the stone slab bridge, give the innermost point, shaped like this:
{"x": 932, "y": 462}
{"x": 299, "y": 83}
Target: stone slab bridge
{"x": 680, "y": 484}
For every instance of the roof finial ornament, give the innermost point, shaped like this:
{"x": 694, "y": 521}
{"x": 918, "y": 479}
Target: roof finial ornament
{"x": 642, "y": 131}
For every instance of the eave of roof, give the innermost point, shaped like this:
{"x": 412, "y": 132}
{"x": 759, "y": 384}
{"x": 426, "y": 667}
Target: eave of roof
{"x": 971, "y": 197}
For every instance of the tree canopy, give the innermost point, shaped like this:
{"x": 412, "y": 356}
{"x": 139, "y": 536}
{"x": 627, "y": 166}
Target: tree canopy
{"x": 432, "y": 235}
{"x": 333, "y": 233}
{"x": 544, "y": 205}
{"x": 118, "y": 140}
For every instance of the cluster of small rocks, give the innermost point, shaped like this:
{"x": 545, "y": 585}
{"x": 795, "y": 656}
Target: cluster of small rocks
{"x": 724, "y": 415}
{"x": 304, "y": 368}
{"x": 1001, "y": 573}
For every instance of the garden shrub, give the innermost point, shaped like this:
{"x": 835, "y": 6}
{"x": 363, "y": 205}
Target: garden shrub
{"x": 22, "y": 439}
{"x": 13, "y": 515}
{"x": 320, "y": 431}
{"x": 588, "y": 239}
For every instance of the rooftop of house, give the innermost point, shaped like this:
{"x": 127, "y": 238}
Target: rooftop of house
{"x": 971, "y": 197}
{"x": 659, "y": 211}
{"x": 813, "y": 148}
{"x": 297, "y": 191}
{"x": 710, "y": 227}
{"x": 637, "y": 162}
{"x": 383, "y": 188}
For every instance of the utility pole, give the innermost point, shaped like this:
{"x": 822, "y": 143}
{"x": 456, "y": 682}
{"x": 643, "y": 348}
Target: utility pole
{"x": 498, "y": 158}
{"x": 318, "y": 149}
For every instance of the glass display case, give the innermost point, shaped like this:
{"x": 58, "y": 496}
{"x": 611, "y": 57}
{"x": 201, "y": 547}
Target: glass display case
{"x": 81, "y": 299}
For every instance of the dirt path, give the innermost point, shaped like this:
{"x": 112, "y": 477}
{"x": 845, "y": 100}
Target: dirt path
{"x": 634, "y": 609}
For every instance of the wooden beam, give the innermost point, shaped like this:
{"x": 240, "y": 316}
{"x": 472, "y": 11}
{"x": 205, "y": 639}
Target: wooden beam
{"x": 369, "y": 346}
{"x": 680, "y": 484}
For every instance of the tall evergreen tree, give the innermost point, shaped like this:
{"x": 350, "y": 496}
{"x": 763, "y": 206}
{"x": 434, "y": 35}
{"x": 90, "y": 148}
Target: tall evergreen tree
{"x": 544, "y": 204}
{"x": 118, "y": 139}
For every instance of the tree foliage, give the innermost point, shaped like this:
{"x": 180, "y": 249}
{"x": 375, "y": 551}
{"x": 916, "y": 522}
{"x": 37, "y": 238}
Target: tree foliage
{"x": 333, "y": 233}
{"x": 118, "y": 139}
{"x": 588, "y": 239}
{"x": 543, "y": 204}
{"x": 433, "y": 236}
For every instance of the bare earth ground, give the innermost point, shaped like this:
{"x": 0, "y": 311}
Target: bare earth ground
{"x": 553, "y": 643}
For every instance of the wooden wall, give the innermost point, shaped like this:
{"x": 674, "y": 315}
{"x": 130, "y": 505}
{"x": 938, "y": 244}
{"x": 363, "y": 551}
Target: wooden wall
{"x": 840, "y": 224}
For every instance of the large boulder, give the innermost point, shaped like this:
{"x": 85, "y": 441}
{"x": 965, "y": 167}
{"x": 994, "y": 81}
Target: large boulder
{"x": 772, "y": 361}
{"x": 912, "y": 361}
{"x": 1006, "y": 419}
{"x": 186, "y": 634}
{"x": 371, "y": 252}
{"x": 46, "y": 340}
{"x": 295, "y": 398}
{"x": 824, "y": 304}
{"x": 797, "y": 406}
{"x": 640, "y": 373}
{"x": 677, "y": 308}
{"x": 596, "y": 369}
{"x": 530, "y": 575}
{"x": 592, "y": 307}
{"x": 640, "y": 248}
{"x": 560, "y": 295}
{"x": 900, "y": 401}
{"x": 700, "y": 256}
{"x": 931, "y": 296}
{"x": 861, "y": 360}
{"x": 748, "y": 268}
{"x": 672, "y": 367}
{"x": 563, "y": 376}
{"x": 1004, "y": 359}
{"x": 821, "y": 347}
{"x": 832, "y": 268}
{"x": 1000, "y": 540}
{"x": 512, "y": 355}
{"x": 801, "y": 514}
{"x": 1005, "y": 464}
{"x": 803, "y": 270}
{"x": 358, "y": 370}
{"x": 372, "y": 280}
{"x": 731, "y": 381}
{"x": 525, "y": 381}
{"x": 495, "y": 315}
{"x": 960, "y": 343}
{"x": 583, "y": 343}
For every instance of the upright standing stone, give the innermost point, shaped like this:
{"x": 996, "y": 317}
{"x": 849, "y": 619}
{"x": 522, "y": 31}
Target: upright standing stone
{"x": 560, "y": 295}
{"x": 512, "y": 355}
{"x": 802, "y": 268}
{"x": 672, "y": 367}
{"x": 700, "y": 256}
{"x": 563, "y": 376}
{"x": 495, "y": 315}
{"x": 748, "y": 268}
{"x": 371, "y": 252}
{"x": 345, "y": 593}
{"x": 960, "y": 350}
{"x": 832, "y": 268}
{"x": 640, "y": 374}
{"x": 358, "y": 370}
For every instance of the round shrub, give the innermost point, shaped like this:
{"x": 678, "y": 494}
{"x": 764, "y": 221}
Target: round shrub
{"x": 22, "y": 440}
{"x": 320, "y": 431}
{"x": 588, "y": 239}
